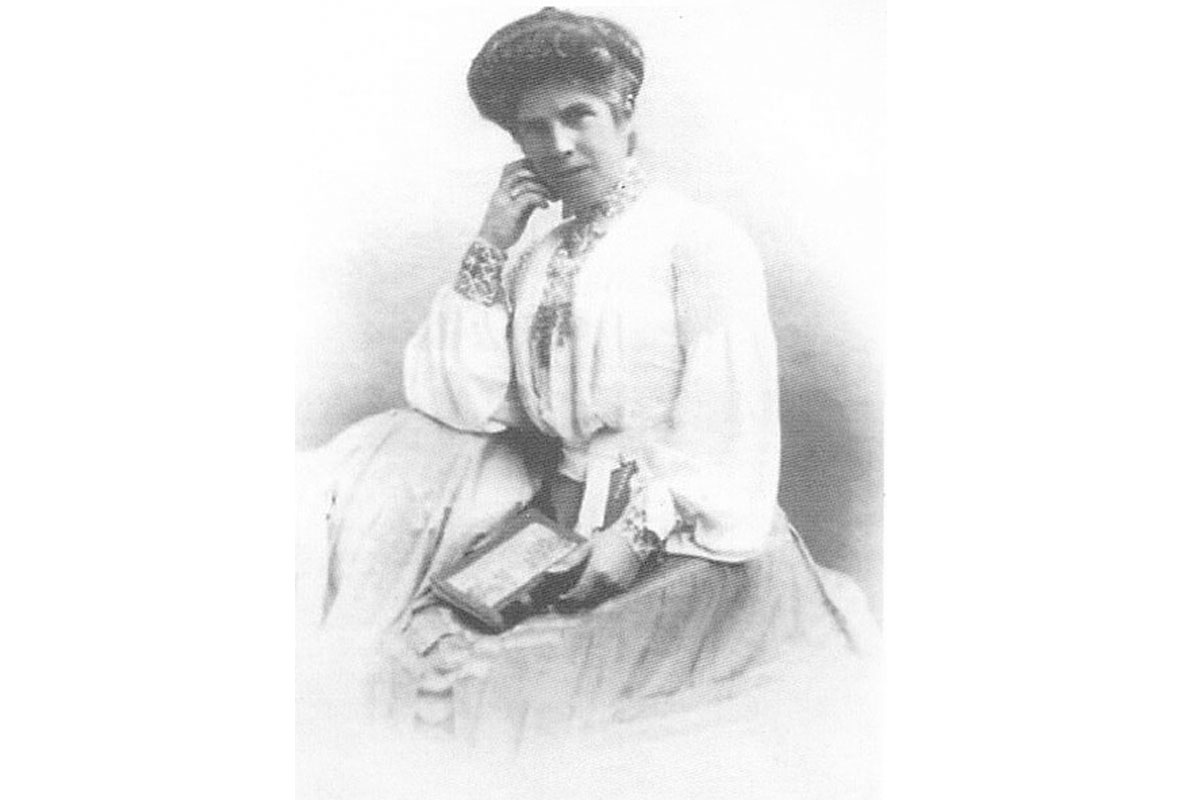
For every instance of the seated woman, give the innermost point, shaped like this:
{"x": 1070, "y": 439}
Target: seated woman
{"x": 635, "y": 332}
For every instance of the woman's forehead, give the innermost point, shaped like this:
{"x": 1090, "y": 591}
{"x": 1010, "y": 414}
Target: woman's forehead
{"x": 546, "y": 100}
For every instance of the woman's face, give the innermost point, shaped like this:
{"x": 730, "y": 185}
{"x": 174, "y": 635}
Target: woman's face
{"x": 572, "y": 140}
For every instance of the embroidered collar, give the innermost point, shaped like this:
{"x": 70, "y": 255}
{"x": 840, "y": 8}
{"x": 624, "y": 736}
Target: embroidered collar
{"x": 626, "y": 192}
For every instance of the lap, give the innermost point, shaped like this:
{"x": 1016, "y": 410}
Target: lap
{"x": 407, "y": 495}
{"x": 404, "y": 497}
{"x": 691, "y": 633}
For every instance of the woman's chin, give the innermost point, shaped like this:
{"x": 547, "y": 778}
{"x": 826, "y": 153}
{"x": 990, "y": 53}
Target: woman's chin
{"x": 574, "y": 198}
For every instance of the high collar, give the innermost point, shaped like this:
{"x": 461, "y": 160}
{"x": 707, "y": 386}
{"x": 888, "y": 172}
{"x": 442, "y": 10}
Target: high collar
{"x": 623, "y": 195}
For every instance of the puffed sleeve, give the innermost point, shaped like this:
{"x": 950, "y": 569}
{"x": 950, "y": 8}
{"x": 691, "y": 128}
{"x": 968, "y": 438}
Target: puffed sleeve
{"x": 720, "y": 455}
{"x": 457, "y": 366}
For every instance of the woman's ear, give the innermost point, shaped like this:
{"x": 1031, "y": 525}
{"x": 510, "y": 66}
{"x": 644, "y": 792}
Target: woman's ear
{"x": 625, "y": 120}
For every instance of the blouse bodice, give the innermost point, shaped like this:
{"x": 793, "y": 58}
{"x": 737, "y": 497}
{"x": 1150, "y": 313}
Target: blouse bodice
{"x": 638, "y": 333}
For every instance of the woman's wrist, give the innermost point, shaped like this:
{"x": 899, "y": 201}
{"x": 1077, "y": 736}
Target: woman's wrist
{"x": 490, "y": 237}
{"x": 645, "y": 543}
{"x": 479, "y": 275}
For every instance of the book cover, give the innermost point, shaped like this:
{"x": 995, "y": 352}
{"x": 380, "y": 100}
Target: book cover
{"x": 526, "y": 562}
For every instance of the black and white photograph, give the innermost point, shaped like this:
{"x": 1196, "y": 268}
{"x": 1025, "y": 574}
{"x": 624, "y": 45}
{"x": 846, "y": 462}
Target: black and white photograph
{"x": 589, "y": 405}
{"x": 691, "y": 400}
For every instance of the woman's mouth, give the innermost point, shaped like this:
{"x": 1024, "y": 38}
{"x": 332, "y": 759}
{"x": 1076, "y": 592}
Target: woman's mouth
{"x": 571, "y": 171}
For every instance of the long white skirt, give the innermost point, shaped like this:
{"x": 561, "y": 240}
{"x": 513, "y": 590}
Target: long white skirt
{"x": 404, "y": 496}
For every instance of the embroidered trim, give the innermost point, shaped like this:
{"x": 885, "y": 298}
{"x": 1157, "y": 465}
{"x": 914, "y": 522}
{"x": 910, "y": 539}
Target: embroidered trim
{"x": 644, "y": 543}
{"x": 620, "y": 198}
{"x": 638, "y": 523}
{"x": 479, "y": 277}
{"x": 553, "y": 323}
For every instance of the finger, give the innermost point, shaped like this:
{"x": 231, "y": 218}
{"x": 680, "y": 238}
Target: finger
{"x": 594, "y": 596}
{"x": 570, "y": 561}
{"x": 583, "y": 589}
{"x": 515, "y": 168}
{"x": 513, "y": 181}
{"x": 524, "y": 184}
{"x": 530, "y": 198}
{"x": 577, "y": 593}
{"x": 598, "y": 587}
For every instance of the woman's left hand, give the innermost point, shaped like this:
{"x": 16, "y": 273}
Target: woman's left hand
{"x": 611, "y": 569}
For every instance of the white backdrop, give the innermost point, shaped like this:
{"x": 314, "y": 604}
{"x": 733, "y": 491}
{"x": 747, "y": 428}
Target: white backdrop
{"x": 773, "y": 114}
{"x": 1041, "y": 411}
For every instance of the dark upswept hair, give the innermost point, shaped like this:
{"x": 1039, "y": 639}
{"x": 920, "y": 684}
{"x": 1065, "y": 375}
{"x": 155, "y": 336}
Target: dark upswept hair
{"x": 555, "y": 45}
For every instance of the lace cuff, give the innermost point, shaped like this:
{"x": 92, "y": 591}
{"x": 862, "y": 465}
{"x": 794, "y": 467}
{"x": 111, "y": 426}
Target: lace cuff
{"x": 648, "y": 520}
{"x": 479, "y": 276}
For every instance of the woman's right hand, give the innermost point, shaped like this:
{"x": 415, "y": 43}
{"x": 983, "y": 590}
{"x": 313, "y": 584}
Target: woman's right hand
{"x": 514, "y": 200}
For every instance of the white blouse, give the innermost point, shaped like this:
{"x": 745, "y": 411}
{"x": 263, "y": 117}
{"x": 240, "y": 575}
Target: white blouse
{"x": 667, "y": 358}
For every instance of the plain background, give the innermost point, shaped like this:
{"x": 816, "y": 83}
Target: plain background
{"x": 1041, "y": 397}
{"x": 776, "y": 118}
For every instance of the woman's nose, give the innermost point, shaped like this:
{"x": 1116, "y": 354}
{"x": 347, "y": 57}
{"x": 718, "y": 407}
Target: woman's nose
{"x": 564, "y": 140}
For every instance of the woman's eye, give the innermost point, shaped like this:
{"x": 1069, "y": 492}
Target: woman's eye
{"x": 574, "y": 116}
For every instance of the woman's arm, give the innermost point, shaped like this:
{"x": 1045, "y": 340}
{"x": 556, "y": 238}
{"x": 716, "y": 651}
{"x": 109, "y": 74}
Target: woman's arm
{"x": 719, "y": 458}
{"x": 707, "y": 482}
{"x": 457, "y": 367}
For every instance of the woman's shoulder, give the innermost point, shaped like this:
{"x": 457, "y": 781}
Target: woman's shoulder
{"x": 697, "y": 226}
{"x": 666, "y": 198}
{"x": 716, "y": 268}
{"x": 704, "y": 237}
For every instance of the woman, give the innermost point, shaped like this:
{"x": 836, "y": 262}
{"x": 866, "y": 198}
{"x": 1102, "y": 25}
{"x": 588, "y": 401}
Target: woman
{"x": 635, "y": 332}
